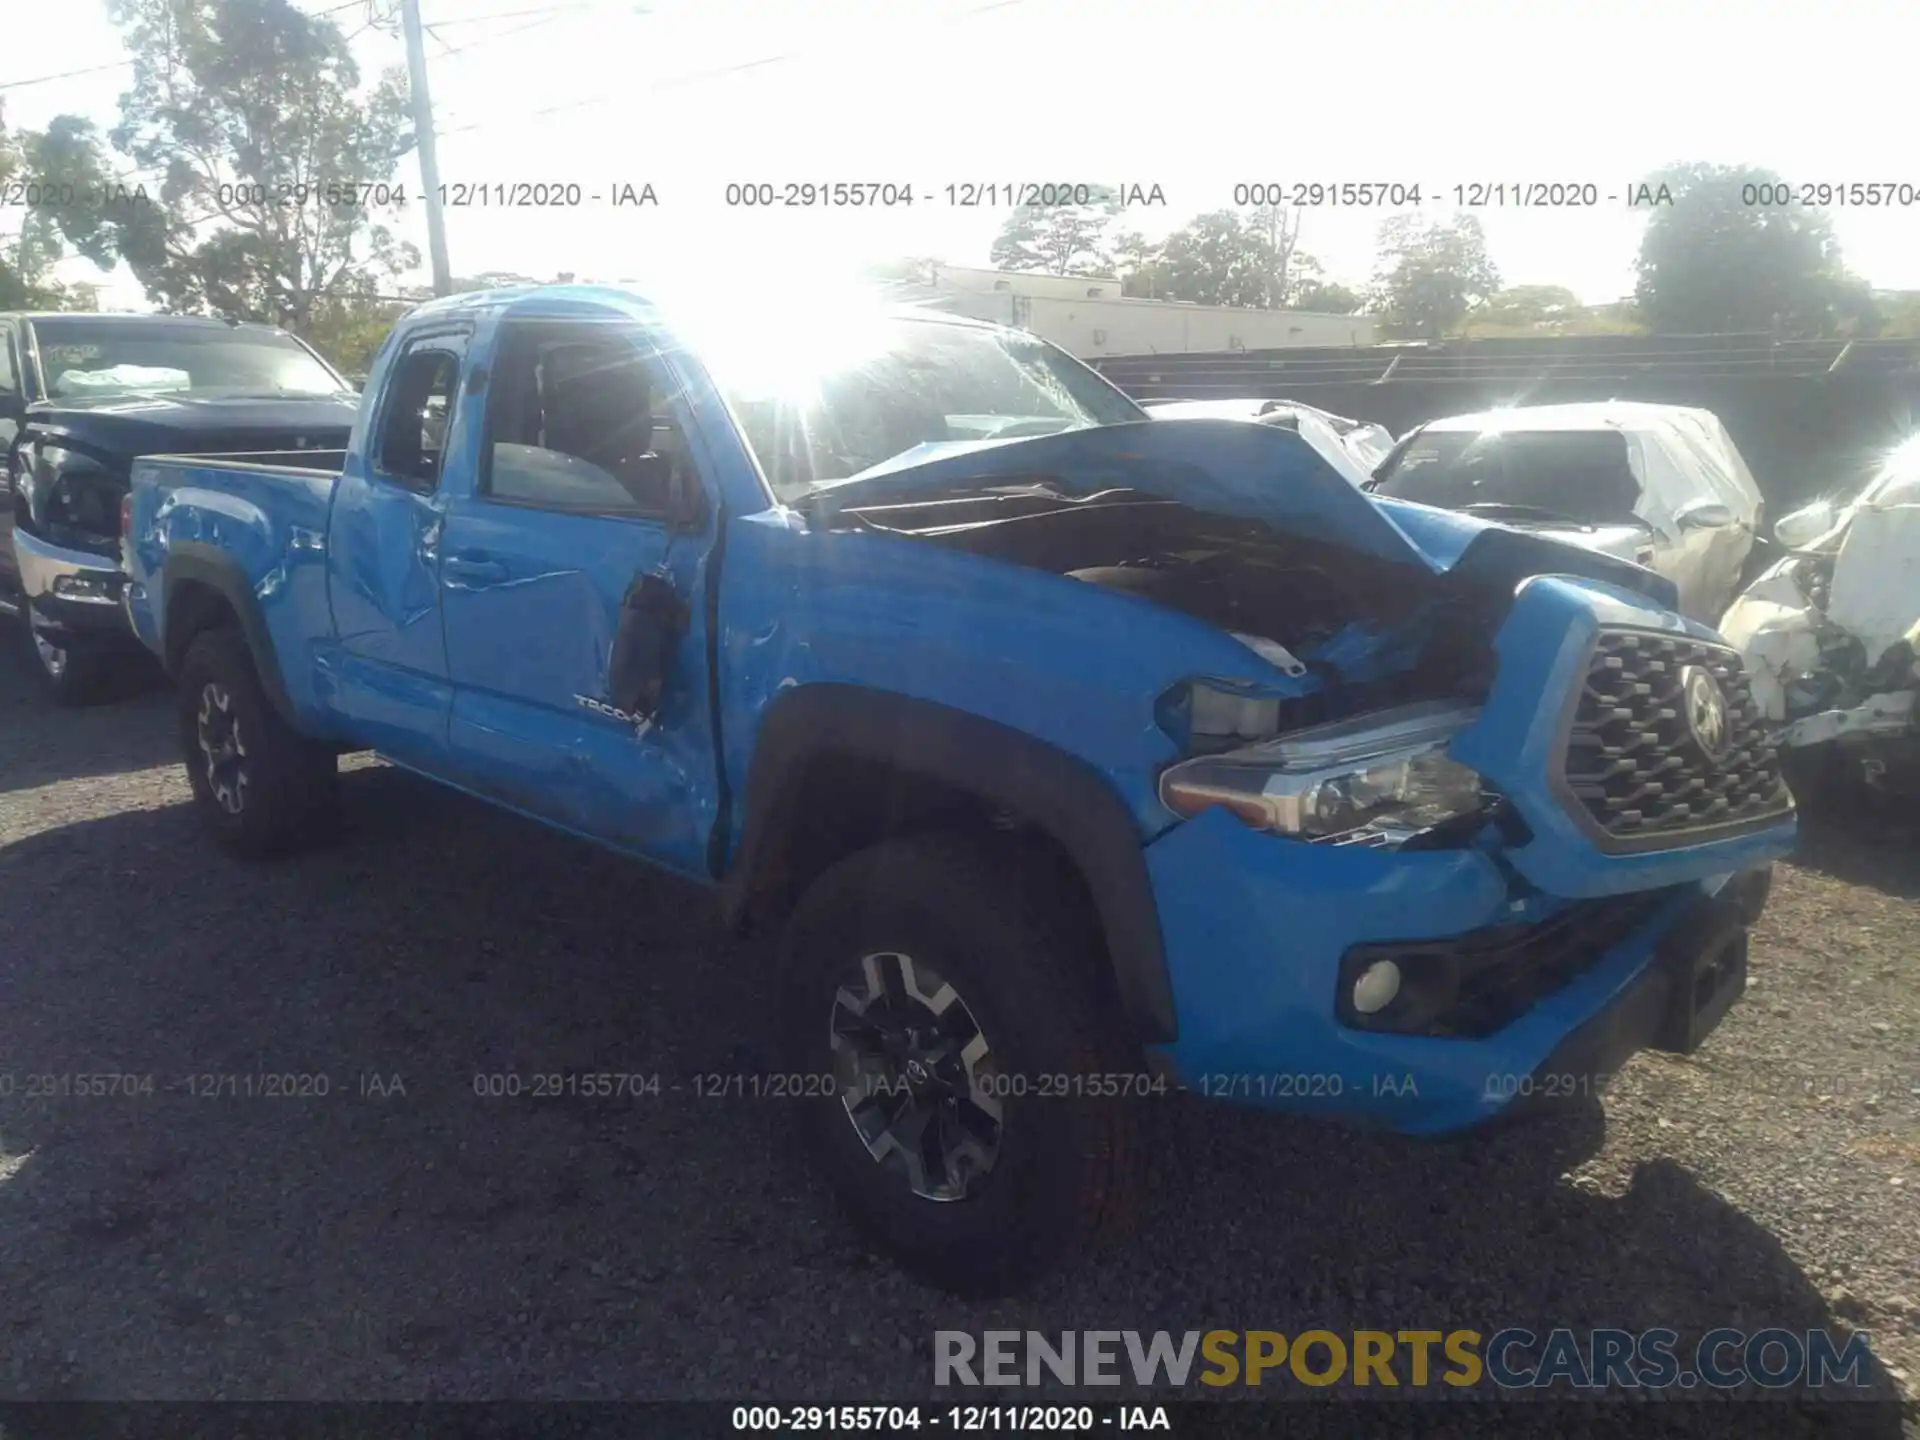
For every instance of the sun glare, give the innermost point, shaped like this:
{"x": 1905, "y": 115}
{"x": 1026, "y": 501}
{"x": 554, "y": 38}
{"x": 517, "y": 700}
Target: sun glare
{"x": 784, "y": 351}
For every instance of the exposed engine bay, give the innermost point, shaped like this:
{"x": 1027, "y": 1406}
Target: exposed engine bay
{"x": 1371, "y": 632}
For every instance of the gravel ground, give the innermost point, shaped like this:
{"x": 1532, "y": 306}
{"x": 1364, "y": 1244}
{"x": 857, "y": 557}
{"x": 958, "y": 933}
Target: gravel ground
{"x": 438, "y": 1244}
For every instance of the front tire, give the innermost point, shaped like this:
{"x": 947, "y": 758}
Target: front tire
{"x": 74, "y": 676}
{"x": 260, "y": 787}
{"x": 960, "y": 1015}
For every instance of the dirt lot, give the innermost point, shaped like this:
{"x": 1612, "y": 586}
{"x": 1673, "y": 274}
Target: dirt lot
{"x": 433, "y": 1243}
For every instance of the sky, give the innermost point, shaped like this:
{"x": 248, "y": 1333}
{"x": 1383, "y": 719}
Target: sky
{"x": 691, "y": 95}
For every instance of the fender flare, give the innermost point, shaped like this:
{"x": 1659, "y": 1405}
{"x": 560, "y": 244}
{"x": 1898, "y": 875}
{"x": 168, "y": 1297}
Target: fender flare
{"x": 1060, "y": 794}
{"x": 193, "y": 561}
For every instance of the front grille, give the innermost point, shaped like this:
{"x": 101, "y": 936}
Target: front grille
{"x": 1473, "y": 985}
{"x": 1634, "y": 764}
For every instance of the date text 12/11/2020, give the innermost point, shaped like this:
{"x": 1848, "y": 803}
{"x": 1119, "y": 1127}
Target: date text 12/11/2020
{"x": 200, "y": 1085}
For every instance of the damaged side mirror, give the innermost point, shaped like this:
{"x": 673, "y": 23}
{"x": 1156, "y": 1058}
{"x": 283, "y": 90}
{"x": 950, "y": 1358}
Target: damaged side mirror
{"x": 1704, "y": 515}
{"x": 653, "y": 618}
{"x": 1805, "y": 525}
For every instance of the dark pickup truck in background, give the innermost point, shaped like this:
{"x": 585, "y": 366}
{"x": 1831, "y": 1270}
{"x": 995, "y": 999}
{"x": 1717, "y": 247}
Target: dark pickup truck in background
{"x": 83, "y": 395}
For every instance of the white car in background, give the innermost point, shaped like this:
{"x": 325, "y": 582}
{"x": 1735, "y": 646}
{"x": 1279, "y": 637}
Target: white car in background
{"x": 1366, "y": 442}
{"x": 1661, "y": 485}
{"x": 1831, "y": 634}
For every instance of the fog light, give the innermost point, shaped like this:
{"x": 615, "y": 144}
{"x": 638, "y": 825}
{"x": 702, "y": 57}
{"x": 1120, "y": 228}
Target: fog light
{"x": 1376, "y": 987}
{"x": 95, "y": 588}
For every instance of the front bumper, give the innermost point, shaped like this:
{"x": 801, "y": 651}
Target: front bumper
{"x": 1256, "y": 927}
{"x": 76, "y": 594}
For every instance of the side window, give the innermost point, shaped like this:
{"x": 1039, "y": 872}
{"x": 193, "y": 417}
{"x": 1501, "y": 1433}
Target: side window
{"x": 413, "y": 433}
{"x": 579, "y": 420}
{"x": 9, "y": 373}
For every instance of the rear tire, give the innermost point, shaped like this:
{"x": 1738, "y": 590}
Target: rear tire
{"x": 974, "y": 1202}
{"x": 260, "y": 787}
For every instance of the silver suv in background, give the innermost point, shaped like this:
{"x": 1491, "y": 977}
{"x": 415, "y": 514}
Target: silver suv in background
{"x": 1661, "y": 485}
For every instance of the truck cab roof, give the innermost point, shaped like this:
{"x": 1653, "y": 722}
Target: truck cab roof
{"x": 557, "y": 301}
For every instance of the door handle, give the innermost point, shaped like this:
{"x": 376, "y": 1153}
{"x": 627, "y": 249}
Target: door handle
{"x": 473, "y": 569}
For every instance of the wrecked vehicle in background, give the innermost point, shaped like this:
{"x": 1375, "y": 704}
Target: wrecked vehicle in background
{"x": 1661, "y": 485}
{"x": 1831, "y": 634}
{"x": 1366, "y": 442}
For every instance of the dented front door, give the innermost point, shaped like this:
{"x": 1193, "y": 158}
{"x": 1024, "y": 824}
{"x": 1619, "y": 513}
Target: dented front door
{"x": 536, "y": 560}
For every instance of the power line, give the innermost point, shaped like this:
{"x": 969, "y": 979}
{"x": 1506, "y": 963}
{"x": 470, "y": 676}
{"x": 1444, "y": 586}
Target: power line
{"x": 63, "y": 75}
{"x": 122, "y": 64}
{"x": 519, "y": 14}
{"x": 676, "y": 81}
{"x": 559, "y": 13}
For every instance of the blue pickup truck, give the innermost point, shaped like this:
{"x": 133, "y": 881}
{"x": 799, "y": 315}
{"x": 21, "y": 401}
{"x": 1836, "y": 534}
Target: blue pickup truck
{"x": 1076, "y": 758}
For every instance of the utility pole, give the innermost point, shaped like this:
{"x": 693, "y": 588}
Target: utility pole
{"x": 423, "y": 138}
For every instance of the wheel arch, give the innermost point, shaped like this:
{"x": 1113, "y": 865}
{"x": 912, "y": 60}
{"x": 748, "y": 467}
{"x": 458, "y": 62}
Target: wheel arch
{"x": 203, "y": 586}
{"x": 908, "y": 759}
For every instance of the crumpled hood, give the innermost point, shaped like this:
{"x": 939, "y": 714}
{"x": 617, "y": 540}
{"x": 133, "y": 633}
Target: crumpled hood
{"x": 1302, "y": 483}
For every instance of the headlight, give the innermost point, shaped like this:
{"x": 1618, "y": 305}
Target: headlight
{"x": 63, "y": 487}
{"x": 1384, "y": 775}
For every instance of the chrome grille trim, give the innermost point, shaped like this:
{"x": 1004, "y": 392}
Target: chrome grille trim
{"x": 1631, "y": 770}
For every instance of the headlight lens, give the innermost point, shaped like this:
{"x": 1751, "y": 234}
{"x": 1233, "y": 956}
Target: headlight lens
{"x": 64, "y": 488}
{"x": 1381, "y": 778}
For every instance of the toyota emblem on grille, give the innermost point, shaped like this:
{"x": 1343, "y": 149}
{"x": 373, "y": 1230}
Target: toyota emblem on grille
{"x": 1706, "y": 707}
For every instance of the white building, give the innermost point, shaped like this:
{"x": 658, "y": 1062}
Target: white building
{"x": 1089, "y": 317}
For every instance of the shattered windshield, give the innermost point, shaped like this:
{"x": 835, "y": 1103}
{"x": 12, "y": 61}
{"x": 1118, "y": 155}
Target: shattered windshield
{"x": 1584, "y": 476}
{"x": 94, "y": 355}
{"x": 868, "y": 394}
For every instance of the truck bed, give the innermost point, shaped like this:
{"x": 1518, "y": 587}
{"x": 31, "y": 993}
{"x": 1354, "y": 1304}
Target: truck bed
{"x": 275, "y": 489}
{"x": 261, "y": 516}
{"x": 303, "y": 462}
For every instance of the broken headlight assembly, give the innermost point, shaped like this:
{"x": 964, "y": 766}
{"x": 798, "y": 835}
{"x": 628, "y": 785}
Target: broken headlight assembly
{"x": 1378, "y": 779}
{"x": 67, "y": 488}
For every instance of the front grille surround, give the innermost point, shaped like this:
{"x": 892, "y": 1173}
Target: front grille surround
{"x": 1630, "y": 771}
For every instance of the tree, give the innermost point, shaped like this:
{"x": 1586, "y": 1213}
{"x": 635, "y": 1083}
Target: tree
{"x": 1059, "y": 239}
{"x": 1216, "y": 259}
{"x": 60, "y": 177}
{"x": 1326, "y": 298}
{"x": 1712, "y": 262}
{"x": 253, "y": 117}
{"x": 1250, "y": 259}
{"x": 349, "y": 328}
{"x": 1277, "y": 230}
{"x": 1901, "y": 309}
{"x": 1136, "y": 260}
{"x": 1429, "y": 275}
{"x": 1530, "y": 306}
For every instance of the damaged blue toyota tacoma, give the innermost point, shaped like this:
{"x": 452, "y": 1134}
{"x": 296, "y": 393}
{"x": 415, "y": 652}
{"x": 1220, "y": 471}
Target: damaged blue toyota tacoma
{"x": 1074, "y": 758}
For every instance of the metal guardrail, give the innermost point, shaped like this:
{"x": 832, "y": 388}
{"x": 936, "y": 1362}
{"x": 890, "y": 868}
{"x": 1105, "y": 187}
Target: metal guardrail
{"x": 1500, "y": 362}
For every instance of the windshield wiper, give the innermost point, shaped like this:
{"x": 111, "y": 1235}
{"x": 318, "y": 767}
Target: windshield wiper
{"x": 275, "y": 394}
